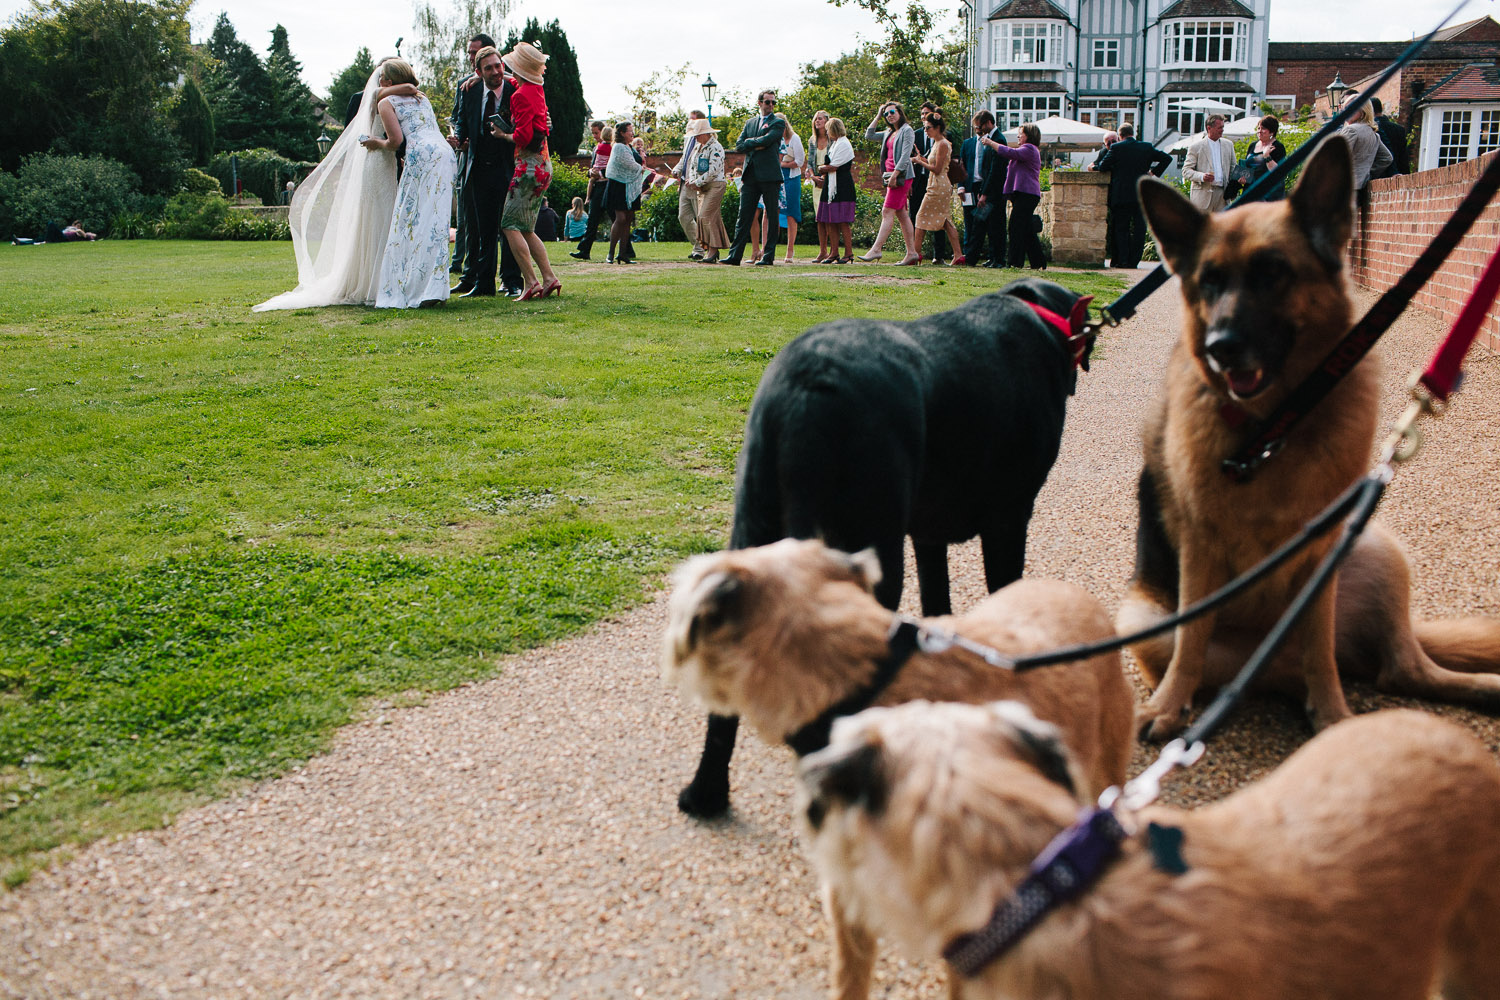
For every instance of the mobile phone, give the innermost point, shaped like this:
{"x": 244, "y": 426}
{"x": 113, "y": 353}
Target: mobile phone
{"x": 363, "y": 137}
{"x": 497, "y": 121}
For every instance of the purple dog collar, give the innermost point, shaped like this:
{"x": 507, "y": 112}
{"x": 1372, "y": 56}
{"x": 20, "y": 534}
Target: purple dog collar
{"x": 1073, "y": 862}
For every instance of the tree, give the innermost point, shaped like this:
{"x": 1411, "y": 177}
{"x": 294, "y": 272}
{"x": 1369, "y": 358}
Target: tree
{"x": 350, "y": 81}
{"x": 238, "y": 89}
{"x": 564, "y": 84}
{"x": 292, "y": 117}
{"x": 195, "y": 123}
{"x": 94, "y": 76}
{"x": 438, "y": 53}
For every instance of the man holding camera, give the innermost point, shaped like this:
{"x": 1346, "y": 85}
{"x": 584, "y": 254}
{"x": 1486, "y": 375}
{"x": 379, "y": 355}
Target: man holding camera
{"x": 487, "y": 175}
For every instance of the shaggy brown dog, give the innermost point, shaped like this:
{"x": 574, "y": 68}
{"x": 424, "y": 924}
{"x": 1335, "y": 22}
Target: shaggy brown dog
{"x": 1365, "y": 866}
{"x": 1264, "y": 302}
{"x": 778, "y": 634}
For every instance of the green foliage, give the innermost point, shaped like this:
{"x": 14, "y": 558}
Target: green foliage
{"x": 350, "y": 81}
{"x": 238, "y": 89}
{"x": 195, "y": 123}
{"x": 438, "y": 52}
{"x": 293, "y": 118}
{"x": 569, "y": 181}
{"x": 262, "y": 173}
{"x": 63, "y": 188}
{"x": 80, "y": 76}
{"x": 564, "y": 84}
{"x": 193, "y": 216}
{"x": 241, "y": 225}
{"x": 197, "y": 182}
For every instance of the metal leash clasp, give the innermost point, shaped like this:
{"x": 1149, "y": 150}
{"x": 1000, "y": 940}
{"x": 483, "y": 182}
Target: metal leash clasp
{"x": 1405, "y": 439}
{"x": 1145, "y": 788}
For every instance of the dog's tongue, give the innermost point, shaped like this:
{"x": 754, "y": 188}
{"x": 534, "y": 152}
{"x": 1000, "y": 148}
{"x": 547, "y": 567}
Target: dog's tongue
{"x": 1245, "y": 383}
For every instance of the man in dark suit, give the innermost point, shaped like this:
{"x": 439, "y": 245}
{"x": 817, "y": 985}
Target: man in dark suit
{"x": 992, "y": 193}
{"x": 1127, "y": 161}
{"x": 760, "y": 141}
{"x": 461, "y": 236}
{"x": 978, "y": 161}
{"x": 1394, "y": 138}
{"x": 491, "y": 162}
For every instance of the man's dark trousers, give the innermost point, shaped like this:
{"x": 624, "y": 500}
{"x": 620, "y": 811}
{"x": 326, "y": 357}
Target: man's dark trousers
{"x": 484, "y": 200}
{"x": 597, "y": 214}
{"x": 768, "y": 194}
{"x": 974, "y": 233}
{"x": 994, "y": 228}
{"x": 1129, "y": 236}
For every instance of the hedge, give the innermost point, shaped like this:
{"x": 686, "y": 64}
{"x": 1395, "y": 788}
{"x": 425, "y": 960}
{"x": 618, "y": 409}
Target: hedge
{"x": 59, "y": 189}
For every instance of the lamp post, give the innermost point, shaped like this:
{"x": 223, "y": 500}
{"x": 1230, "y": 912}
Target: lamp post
{"x": 323, "y": 143}
{"x": 1336, "y": 91}
{"x": 709, "y": 89}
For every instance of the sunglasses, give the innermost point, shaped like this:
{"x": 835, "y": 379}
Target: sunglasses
{"x": 768, "y": 100}
{"x": 892, "y": 111}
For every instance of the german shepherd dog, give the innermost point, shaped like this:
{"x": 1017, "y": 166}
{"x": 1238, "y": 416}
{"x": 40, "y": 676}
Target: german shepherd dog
{"x": 1364, "y": 866}
{"x": 1264, "y": 302}
{"x": 865, "y": 431}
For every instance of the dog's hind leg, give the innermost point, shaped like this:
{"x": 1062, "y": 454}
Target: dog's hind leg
{"x": 1004, "y": 549}
{"x": 932, "y": 577}
{"x": 707, "y": 795}
{"x": 853, "y": 958}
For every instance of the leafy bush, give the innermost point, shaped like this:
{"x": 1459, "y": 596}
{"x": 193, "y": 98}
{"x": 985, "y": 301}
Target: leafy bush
{"x": 247, "y": 226}
{"x": 132, "y": 226}
{"x": 193, "y": 216}
{"x": 262, "y": 172}
{"x": 195, "y": 181}
{"x": 569, "y": 181}
{"x": 60, "y": 189}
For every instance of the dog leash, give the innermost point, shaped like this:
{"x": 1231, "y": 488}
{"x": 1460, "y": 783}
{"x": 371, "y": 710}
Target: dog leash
{"x": 1125, "y": 306}
{"x": 1340, "y": 361}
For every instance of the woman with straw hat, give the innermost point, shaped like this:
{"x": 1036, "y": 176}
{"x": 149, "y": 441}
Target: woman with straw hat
{"x": 533, "y": 173}
{"x": 705, "y": 175}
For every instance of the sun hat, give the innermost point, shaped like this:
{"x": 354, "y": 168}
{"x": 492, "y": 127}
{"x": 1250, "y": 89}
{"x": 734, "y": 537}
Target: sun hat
{"x": 699, "y": 126}
{"x": 526, "y": 61}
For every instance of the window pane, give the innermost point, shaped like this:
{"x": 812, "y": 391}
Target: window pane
{"x": 1489, "y": 132}
{"x": 1453, "y": 141}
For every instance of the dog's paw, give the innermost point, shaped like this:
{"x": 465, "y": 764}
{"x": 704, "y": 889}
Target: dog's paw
{"x": 1159, "y": 727}
{"x": 704, "y": 800}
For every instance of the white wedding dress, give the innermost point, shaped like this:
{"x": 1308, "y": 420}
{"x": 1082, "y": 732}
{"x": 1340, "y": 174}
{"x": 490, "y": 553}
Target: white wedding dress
{"x": 414, "y": 268}
{"x": 341, "y": 218}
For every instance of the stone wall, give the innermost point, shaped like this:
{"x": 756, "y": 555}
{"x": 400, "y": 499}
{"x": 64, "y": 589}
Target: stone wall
{"x": 1405, "y": 213}
{"x": 1079, "y": 206}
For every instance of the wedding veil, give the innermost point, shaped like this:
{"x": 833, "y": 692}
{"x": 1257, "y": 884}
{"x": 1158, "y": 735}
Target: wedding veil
{"x": 341, "y": 216}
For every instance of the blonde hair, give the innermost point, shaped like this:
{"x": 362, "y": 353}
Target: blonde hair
{"x": 397, "y": 71}
{"x": 1364, "y": 114}
{"x": 607, "y": 134}
{"x": 836, "y": 129}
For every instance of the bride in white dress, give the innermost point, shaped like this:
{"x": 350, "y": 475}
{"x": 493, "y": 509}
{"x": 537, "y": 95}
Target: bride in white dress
{"x": 340, "y": 218}
{"x": 414, "y": 270}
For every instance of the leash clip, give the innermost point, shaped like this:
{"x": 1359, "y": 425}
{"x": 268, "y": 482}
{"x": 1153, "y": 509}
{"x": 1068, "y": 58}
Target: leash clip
{"x": 1145, "y": 788}
{"x": 1405, "y": 439}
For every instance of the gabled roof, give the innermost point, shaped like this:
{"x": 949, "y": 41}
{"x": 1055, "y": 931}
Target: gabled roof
{"x": 1458, "y": 30}
{"x": 1471, "y": 84}
{"x": 1207, "y": 8}
{"x": 1377, "y": 51}
{"x": 1038, "y": 9}
{"x": 1207, "y": 87}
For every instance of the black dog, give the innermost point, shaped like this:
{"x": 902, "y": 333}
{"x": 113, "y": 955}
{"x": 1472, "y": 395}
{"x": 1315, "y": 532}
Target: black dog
{"x": 865, "y": 431}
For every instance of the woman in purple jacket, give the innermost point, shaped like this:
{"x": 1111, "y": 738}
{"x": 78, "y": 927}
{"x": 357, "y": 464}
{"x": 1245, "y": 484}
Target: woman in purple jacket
{"x": 1023, "y": 187}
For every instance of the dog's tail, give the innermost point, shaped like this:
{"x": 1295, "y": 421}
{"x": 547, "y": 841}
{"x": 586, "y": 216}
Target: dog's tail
{"x": 1467, "y": 645}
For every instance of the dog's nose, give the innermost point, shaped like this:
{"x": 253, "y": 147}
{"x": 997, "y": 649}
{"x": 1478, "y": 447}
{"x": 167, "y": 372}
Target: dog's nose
{"x": 1226, "y": 347}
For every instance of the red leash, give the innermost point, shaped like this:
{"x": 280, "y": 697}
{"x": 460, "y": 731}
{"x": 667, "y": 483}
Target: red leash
{"x": 1443, "y": 371}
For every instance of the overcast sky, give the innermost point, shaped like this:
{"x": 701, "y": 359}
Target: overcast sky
{"x": 714, "y": 38}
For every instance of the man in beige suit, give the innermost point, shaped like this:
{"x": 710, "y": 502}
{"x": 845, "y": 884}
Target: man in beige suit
{"x": 1207, "y": 166}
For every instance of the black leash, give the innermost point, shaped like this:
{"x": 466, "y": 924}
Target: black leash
{"x": 1125, "y": 306}
{"x": 1352, "y": 349}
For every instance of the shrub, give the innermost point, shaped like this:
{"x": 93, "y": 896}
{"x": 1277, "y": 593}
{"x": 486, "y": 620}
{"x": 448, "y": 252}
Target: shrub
{"x": 193, "y": 216}
{"x": 132, "y": 226}
{"x": 60, "y": 189}
{"x": 195, "y": 181}
{"x": 569, "y": 181}
{"x": 262, "y": 172}
{"x": 247, "y": 226}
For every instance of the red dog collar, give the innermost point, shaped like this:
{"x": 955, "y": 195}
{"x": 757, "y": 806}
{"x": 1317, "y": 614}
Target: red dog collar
{"x": 1070, "y": 329}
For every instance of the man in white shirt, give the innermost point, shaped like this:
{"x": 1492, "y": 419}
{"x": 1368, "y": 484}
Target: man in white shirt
{"x": 1207, "y": 166}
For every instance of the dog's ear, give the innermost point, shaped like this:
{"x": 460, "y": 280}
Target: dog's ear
{"x": 1175, "y": 223}
{"x": 1040, "y": 743}
{"x": 720, "y": 599}
{"x": 837, "y": 776}
{"x": 865, "y": 566}
{"x": 1323, "y": 201}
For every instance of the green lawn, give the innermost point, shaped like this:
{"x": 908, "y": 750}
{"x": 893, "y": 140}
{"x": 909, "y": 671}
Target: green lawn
{"x": 223, "y": 530}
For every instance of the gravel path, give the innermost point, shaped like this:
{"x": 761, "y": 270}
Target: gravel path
{"x": 519, "y": 837}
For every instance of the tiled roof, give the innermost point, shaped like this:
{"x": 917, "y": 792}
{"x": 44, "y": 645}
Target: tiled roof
{"x": 1476, "y": 82}
{"x": 1044, "y": 9}
{"x": 1028, "y": 87}
{"x": 1377, "y": 51}
{"x": 1459, "y": 29}
{"x": 1207, "y": 8}
{"x": 1207, "y": 87}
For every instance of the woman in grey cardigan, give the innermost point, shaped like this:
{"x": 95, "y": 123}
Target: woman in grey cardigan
{"x": 1368, "y": 152}
{"x": 896, "y": 140}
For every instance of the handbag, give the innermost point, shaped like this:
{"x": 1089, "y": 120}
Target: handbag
{"x": 889, "y": 179}
{"x": 956, "y": 172}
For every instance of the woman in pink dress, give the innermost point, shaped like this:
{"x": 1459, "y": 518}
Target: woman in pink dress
{"x": 896, "y": 139}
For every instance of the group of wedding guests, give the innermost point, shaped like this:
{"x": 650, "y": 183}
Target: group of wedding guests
{"x": 362, "y": 236}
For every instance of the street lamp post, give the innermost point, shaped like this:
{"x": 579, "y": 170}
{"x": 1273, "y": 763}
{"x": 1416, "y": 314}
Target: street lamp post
{"x": 1336, "y": 91}
{"x": 323, "y": 143}
{"x": 709, "y": 89}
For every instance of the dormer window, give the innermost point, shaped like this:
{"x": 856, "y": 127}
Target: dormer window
{"x": 1205, "y": 44}
{"x": 1027, "y": 45}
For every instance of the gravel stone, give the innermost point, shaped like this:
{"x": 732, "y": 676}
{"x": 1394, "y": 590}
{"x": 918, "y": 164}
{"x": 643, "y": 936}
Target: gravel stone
{"x": 520, "y": 837}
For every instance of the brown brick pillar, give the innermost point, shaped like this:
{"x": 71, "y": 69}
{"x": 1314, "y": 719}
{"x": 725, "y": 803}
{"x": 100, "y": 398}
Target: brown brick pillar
{"x": 1079, "y": 204}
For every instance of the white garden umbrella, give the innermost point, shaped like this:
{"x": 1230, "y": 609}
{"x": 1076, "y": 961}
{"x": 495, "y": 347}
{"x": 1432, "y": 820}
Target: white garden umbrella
{"x": 1242, "y": 127}
{"x": 1057, "y": 131}
{"x": 1209, "y": 104}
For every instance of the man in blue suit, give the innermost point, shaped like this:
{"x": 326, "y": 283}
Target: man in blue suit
{"x": 761, "y": 143}
{"x": 1127, "y": 161}
{"x": 978, "y": 161}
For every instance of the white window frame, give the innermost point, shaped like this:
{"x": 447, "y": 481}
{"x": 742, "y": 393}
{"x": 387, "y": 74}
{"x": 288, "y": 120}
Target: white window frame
{"x": 1455, "y": 137}
{"x": 1191, "y": 43}
{"x": 1461, "y": 133}
{"x": 1106, "y": 53}
{"x": 1014, "y": 110}
{"x": 1013, "y": 45}
{"x": 1174, "y": 114}
{"x": 1108, "y": 114}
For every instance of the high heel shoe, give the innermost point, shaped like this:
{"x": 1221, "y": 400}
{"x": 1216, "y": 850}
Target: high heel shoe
{"x": 848, "y": 258}
{"x": 908, "y": 261}
{"x": 553, "y": 287}
{"x": 958, "y": 261}
{"x": 868, "y": 258}
{"x": 534, "y": 292}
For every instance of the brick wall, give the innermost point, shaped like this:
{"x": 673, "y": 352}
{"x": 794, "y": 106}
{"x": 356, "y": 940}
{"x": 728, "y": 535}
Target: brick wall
{"x": 1405, "y": 213}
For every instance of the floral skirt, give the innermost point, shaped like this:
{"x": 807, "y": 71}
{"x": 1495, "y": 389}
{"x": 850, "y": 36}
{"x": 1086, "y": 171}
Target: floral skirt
{"x": 532, "y": 178}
